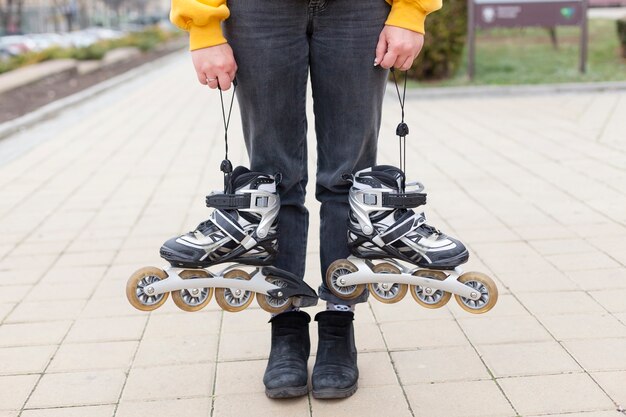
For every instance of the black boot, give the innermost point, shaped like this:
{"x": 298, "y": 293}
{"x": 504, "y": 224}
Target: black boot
{"x": 286, "y": 373}
{"x": 335, "y": 373}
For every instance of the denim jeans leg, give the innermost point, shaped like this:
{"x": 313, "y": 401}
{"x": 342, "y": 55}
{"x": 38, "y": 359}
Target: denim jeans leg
{"x": 348, "y": 92}
{"x": 271, "y": 48}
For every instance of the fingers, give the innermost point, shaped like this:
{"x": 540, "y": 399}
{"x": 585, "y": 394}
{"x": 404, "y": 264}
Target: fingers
{"x": 407, "y": 64}
{"x": 211, "y": 81}
{"x": 389, "y": 59}
{"x": 381, "y": 48}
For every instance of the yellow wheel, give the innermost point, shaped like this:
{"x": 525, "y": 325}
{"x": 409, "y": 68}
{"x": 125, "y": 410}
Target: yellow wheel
{"x": 271, "y": 304}
{"x": 385, "y": 292}
{"x": 484, "y": 286}
{"x": 333, "y": 275}
{"x": 135, "y": 289}
{"x": 234, "y": 300}
{"x": 193, "y": 299}
{"x": 430, "y": 297}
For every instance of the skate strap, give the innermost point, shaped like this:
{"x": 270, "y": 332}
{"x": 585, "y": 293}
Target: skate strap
{"x": 403, "y": 200}
{"x": 229, "y": 225}
{"x": 228, "y": 201}
{"x": 400, "y": 228}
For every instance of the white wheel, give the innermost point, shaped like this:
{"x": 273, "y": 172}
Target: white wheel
{"x": 271, "y": 304}
{"x": 430, "y": 297}
{"x": 142, "y": 278}
{"x": 484, "y": 286}
{"x": 387, "y": 293}
{"x": 333, "y": 275}
{"x": 234, "y": 300}
{"x": 193, "y": 299}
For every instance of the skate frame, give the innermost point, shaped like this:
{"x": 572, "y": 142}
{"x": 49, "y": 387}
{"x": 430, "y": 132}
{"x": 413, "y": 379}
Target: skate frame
{"x": 174, "y": 282}
{"x": 365, "y": 275}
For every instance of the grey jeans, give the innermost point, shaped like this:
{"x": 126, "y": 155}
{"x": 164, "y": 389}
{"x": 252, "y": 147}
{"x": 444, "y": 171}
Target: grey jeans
{"x": 276, "y": 44}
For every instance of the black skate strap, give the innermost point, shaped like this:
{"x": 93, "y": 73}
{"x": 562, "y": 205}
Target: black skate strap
{"x": 229, "y": 225}
{"x": 401, "y": 227}
{"x": 228, "y": 201}
{"x": 403, "y": 200}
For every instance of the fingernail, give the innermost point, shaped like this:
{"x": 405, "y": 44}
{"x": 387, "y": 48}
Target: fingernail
{"x": 375, "y": 61}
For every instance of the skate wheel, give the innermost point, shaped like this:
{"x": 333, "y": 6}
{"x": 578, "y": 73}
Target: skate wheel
{"x": 193, "y": 299}
{"x": 430, "y": 297}
{"x": 483, "y": 285}
{"x": 271, "y": 304}
{"x": 234, "y": 300}
{"x": 138, "y": 281}
{"x": 333, "y": 274}
{"x": 387, "y": 293}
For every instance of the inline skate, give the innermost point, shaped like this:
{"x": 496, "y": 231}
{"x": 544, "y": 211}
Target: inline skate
{"x": 385, "y": 234}
{"x": 241, "y": 231}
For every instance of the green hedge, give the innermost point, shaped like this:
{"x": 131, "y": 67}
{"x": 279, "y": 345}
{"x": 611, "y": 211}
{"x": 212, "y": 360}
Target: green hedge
{"x": 444, "y": 42}
{"x": 621, "y": 33}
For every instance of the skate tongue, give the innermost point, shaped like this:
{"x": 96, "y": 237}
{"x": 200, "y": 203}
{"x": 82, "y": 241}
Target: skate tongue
{"x": 389, "y": 175}
{"x": 239, "y": 177}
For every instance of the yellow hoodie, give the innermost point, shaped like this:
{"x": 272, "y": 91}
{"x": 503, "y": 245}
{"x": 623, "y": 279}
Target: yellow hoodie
{"x": 203, "y": 18}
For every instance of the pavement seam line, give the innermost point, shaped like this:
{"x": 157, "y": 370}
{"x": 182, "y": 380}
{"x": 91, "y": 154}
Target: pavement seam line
{"x": 393, "y": 364}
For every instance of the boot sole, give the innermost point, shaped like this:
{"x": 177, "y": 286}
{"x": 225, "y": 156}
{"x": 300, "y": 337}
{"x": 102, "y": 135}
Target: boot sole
{"x": 330, "y": 393}
{"x": 287, "y": 392}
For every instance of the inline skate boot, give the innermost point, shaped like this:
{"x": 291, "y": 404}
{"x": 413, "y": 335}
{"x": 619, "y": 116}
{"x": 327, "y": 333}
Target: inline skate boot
{"x": 385, "y": 234}
{"x": 242, "y": 231}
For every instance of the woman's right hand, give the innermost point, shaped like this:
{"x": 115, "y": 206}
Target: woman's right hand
{"x": 215, "y": 64}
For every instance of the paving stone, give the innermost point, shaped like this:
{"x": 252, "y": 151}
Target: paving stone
{"x": 89, "y": 411}
{"x": 562, "y": 302}
{"x": 613, "y": 300}
{"x": 183, "y": 324}
{"x": 613, "y": 355}
{"x": 176, "y": 351}
{"x": 614, "y": 383}
{"x": 583, "y": 326}
{"x": 77, "y": 388}
{"x": 93, "y": 356}
{"x": 169, "y": 382}
{"x": 26, "y": 334}
{"x": 61, "y": 291}
{"x": 25, "y": 359}
{"x": 15, "y": 389}
{"x": 387, "y": 399}
{"x": 439, "y": 365}
{"x": 421, "y": 334}
{"x": 45, "y": 311}
{"x": 165, "y": 408}
{"x": 231, "y": 405}
{"x": 107, "y": 329}
{"x": 533, "y": 358}
{"x": 13, "y": 293}
{"x": 466, "y": 398}
{"x": 552, "y": 394}
{"x": 487, "y": 330}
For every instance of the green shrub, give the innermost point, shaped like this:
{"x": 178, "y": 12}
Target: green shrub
{"x": 621, "y": 34}
{"x": 95, "y": 51}
{"x": 444, "y": 42}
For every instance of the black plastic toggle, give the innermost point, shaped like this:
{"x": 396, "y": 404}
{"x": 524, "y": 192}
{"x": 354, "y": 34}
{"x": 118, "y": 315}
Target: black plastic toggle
{"x": 402, "y": 130}
{"x": 226, "y": 167}
{"x": 228, "y": 201}
{"x": 403, "y": 200}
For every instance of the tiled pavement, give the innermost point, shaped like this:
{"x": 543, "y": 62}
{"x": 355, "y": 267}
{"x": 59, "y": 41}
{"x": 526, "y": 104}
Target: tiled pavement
{"x": 536, "y": 186}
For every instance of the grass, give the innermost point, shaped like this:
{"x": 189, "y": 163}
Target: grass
{"x": 526, "y": 56}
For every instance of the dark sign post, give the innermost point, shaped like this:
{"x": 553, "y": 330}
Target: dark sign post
{"x": 486, "y": 14}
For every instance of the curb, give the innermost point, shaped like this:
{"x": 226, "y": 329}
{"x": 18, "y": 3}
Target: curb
{"x": 514, "y": 90}
{"x": 54, "y": 108}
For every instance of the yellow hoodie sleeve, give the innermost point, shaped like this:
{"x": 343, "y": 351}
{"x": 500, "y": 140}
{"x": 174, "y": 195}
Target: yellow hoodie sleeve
{"x": 411, "y": 14}
{"x": 202, "y": 19}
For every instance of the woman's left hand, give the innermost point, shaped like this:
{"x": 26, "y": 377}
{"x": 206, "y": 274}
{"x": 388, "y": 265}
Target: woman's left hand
{"x": 398, "y": 47}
